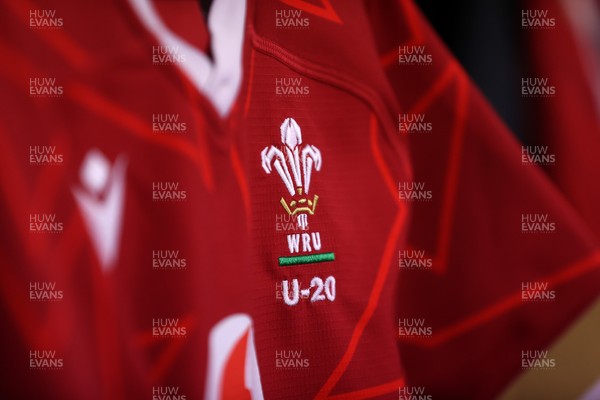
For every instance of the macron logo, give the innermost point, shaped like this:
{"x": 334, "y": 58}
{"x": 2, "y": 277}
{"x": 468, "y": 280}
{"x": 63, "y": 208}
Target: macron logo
{"x": 101, "y": 197}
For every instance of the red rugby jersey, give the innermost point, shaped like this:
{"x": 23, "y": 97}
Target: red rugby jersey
{"x": 165, "y": 240}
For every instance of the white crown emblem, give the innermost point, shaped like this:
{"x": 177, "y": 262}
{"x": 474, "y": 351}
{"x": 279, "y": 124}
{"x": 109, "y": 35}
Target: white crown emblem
{"x": 300, "y": 159}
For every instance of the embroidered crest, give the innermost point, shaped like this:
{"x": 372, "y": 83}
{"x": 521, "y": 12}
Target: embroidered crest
{"x": 295, "y": 162}
{"x": 300, "y": 159}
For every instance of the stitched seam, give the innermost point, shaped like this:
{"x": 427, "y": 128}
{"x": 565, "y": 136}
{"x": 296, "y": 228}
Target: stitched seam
{"x": 338, "y": 80}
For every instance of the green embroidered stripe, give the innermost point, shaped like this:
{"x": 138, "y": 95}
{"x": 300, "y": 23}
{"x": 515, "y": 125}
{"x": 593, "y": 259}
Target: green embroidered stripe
{"x": 308, "y": 259}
